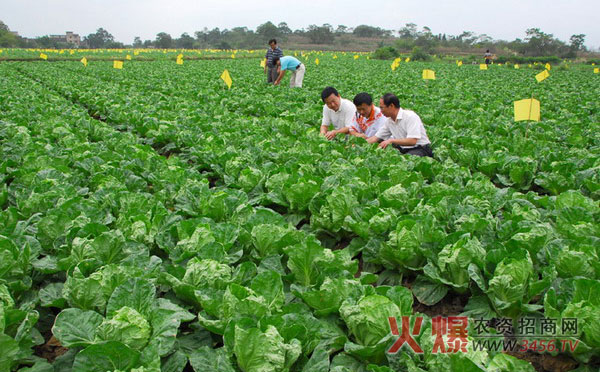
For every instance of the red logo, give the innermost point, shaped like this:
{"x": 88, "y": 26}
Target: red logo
{"x": 406, "y": 336}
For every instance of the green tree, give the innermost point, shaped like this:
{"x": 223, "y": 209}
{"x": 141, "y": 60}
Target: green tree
{"x": 185, "y": 41}
{"x": 320, "y": 34}
{"x": 577, "y": 42}
{"x": 284, "y": 29}
{"x": 409, "y": 31}
{"x": 369, "y": 31}
{"x": 163, "y": 40}
{"x": 99, "y": 39}
{"x": 267, "y": 31}
{"x": 7, "y": 38}
{"x": 137, "y": 42}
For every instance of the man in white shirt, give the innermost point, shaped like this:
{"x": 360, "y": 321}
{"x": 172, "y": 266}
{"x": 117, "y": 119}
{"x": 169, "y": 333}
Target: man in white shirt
{"x": 337, "y": 111}
{"x": 368, "y": 118}
{"x": 403, "y": 129}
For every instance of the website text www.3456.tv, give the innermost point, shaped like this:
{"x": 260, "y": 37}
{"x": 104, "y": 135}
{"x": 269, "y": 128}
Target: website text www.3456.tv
{"x": 450, "y": 334}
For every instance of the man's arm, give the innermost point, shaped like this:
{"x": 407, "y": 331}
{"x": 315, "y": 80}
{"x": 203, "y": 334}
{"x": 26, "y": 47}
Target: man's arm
{"x": 373, "y": 139}
{"x": 355, "y": 133}
{"x": 281, "y": 73}
{"x": 332, "y": 133}
{"x": 400, "y": 142}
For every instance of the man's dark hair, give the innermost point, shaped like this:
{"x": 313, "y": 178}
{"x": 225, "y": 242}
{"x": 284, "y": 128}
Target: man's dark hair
{"x": 275, "y": 60}
{"x": 361, "y": 98}
{"x": 272, "y": 41}
{"x": 327, "y": 92}
{"x": 391, "y": 99}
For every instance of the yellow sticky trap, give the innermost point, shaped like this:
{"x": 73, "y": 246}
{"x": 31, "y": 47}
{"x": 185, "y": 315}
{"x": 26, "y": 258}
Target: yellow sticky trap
{"x": 61, "y": 51}
{"x": 0, "y": 51}
{"x": 548, "y": 67}
{"x": 118, "y": 64}
{"x": 136, "y": 53}
{"x": 529, "y": 65}
{"x": 428, "y": 74}
{"x": 334, "y": 56}
{"x": 407, "y": 59}
{"x": 527, "y": 109}
{"x": 499, "y": 64}
{"x": 593, "y": 64}
{"x": 483, "y": 66}
{"x": 71, "y": 52}
{"x": 262, "y": 63}
{"x": 355, "y": 56}
{"x": 459, "y": 63}
{"x": 179, "y": 60}
{"x": 233, "y": 56}
{"x": 295, "y": 54}
{"x": 84, "y": 61}
{"x": 597, "y": 70}
{"x": 226, "y": 78}
{"x": 128, "y": 57}
{"x": 43, "y": 56}
{"x": 542, "y": 76}
{"x": 316, "y": 61}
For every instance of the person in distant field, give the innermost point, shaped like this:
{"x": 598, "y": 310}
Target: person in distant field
{"x": 368, "y": 118}
{"x": 488, "y": 57}
{"x": 270, "y": 68}
{"x": 337, "y": 111}
{"x": 292, "y": 64}
{"x": 403, "y": 129}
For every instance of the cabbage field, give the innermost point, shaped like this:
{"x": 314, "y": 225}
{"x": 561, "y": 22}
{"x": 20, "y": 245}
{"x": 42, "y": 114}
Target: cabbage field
{"x": 151, "y": 219}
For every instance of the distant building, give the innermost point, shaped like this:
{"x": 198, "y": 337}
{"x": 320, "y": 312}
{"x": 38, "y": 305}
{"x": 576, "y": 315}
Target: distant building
{"x": 69, "y": 37}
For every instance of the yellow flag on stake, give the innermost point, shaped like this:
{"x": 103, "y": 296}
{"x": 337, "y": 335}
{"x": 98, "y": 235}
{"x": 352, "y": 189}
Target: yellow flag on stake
{"x": 428, "y": 74}
{"x": 355, "y": 56}
{"x": 71, "y": 52}
{"x": 226, "y": 78}
{"x": 334, "y": 56}
{"x": 128, "y": 57}
{"x": 483, "y": 66}
{"x": 179, "y": 60}
{"x": 527, "y": 109}
{"x": 597, "y": 70}
{"x": 542, "y": 76}
{"x": 233, "y": 56}
{"x": 137, "y": 52}
{"x": 118, "y": 64}
{"x": 316, "y": 61}
{"x": 407, "y": 59}
{"x": 43, "y": 56}
{"x": 84, "y": 61}
{"x": 459, "y": 63}
{"x": 516, "y": 66}
{"x": 548, "y": 67}
{"x": 262, "y": 63}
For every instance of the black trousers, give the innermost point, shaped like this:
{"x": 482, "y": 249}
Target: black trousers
{"x": 419, "y": 150}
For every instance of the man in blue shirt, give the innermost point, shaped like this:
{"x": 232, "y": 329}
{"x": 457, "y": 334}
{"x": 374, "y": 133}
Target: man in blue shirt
{"x": 270, "y": 68}
{"x": 293, "y": 64}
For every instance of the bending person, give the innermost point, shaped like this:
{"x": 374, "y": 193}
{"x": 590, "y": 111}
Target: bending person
{"x": 292, "y": 64}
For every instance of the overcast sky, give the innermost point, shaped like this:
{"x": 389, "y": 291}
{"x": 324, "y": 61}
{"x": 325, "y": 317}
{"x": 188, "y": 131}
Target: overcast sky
{"x": 125, "y": 19}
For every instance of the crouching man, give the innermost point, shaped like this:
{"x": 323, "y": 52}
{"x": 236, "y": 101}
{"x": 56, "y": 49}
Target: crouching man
{"x": 403, "y": 129}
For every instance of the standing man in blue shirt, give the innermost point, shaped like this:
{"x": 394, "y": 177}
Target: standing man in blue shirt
{"x": 272, "y": 52}
{"x": 293, "y": 64}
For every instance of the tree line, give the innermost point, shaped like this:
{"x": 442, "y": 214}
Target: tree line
{"x": 406, "y": 38}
